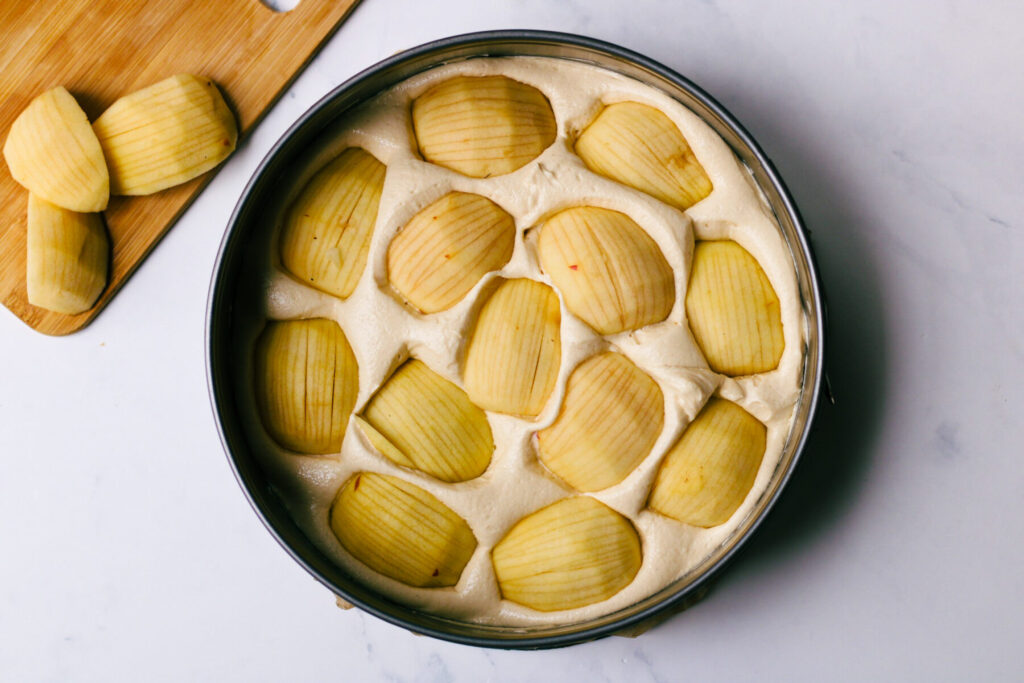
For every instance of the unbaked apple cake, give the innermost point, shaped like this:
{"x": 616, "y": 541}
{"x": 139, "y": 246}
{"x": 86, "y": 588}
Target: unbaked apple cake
{"x": 533, "y": 342}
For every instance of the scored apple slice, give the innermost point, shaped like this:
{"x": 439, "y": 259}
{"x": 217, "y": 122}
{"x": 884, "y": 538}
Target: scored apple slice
{"x": 431, "y": 423}
{"x": 326, "y": 235}
{"x": 66, "y": 258}
{"x": 708, "y": 473}
{"x": 514, "y": 351}
{"x": 612, "y": 274}
{"x": 637, "y": 145}
{"x": 573, "y": 553}
{"x": 733, "y": 310}
{"x": 53, "y": 152}
{"x": 306, "y": 384}
{"x": 401, "y": 531}
{"x": 612, "y": 414}
{"x": 447, "y": 247}
{"x": 165, "y": 134}
{"x": 482, "y": 126}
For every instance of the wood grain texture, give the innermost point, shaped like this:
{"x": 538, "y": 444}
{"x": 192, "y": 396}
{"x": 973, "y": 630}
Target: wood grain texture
{"x": 103, "y": 49}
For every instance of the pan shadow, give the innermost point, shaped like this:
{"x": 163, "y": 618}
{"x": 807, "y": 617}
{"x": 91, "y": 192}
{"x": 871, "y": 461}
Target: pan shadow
{"x": 840, "y": 448}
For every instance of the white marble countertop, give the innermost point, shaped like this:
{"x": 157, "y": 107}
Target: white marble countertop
{"x": 130, "y": 554}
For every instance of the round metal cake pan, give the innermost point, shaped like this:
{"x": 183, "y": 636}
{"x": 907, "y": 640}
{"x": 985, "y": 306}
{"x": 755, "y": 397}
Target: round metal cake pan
{"x": 228, "y": 296}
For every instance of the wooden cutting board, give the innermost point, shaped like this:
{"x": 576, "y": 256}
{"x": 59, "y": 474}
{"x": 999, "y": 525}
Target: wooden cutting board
{"x": 103, "y": 49}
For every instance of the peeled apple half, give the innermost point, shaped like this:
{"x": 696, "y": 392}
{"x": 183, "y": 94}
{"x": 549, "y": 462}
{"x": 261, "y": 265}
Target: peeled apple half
{"x": 165, "y": 134}
{"x": 482, "y": 126}
{"x": 306, "y": 384}
{"x": 67, "y": 257}
{"x": 612, "y": 414}
{"x": 733, "y": 310}
{"x": 447, "y": 247}
{"x": 401, "y": 531}
{"x": 639, "y": 146}
{"x": 514, "y": 351}
{"x": 53, "y": 152}
{"x": 708, "y": 473}
{"x": 573, "y": 553}
{"x": 420, "y": 420}
{"x": 326, "y": 234}
{"x": 612, "y": 274}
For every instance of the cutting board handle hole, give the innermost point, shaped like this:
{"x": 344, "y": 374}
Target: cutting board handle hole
{"x": 280, "y": 5}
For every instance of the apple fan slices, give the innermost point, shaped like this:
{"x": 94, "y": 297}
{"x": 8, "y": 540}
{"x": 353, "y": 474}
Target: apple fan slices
{"x": 596, "y": 264}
